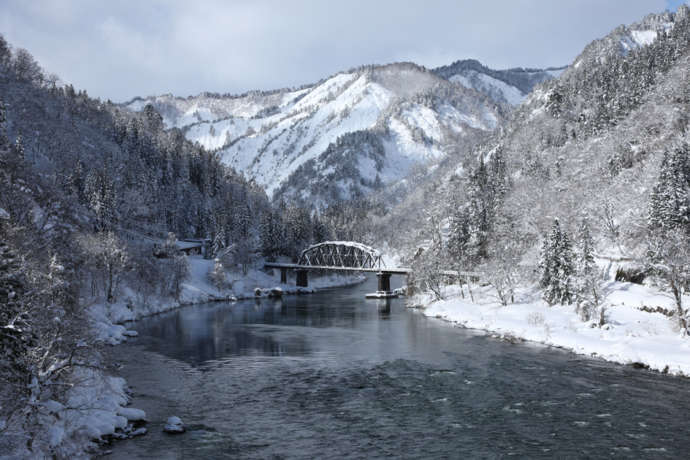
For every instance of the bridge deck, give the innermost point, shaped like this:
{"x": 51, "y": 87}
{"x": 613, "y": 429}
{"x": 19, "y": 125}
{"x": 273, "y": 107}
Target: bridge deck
{"x": 395, "y": 271}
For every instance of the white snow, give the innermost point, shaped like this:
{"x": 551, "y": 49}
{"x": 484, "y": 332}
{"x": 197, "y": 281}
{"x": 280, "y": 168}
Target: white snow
{"x": 486, "y": 83}
{"x": 513, "y": 95}
{"x": 132, "y": 414}
{"x": 93, "y": 408}
{"x": 643, "y": 37}
{"x": 461, "y": 79}
{"x": 630, "y": 334}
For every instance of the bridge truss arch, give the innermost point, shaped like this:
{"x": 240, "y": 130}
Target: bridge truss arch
{"x": 345, "y": 254}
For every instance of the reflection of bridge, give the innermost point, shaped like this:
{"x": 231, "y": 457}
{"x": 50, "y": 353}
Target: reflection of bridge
{"x": 340, "y": 255}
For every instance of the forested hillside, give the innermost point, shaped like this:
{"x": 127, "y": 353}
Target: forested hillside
{"x": 92, "y": 198}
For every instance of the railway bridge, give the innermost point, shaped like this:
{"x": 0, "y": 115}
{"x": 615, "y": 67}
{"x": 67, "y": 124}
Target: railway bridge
{"x": 344, "y": 256}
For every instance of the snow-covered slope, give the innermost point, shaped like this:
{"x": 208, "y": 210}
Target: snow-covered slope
{"x": 414, "y": 115}
{"x": 507, "y": 86}
{"x": 626, "y": 38}
{"x": 588, "y": 142}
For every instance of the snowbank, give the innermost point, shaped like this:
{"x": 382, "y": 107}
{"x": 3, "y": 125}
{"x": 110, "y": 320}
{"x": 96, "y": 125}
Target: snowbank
{"x": 94, "y": 409}
{"x": 638, "y": 329}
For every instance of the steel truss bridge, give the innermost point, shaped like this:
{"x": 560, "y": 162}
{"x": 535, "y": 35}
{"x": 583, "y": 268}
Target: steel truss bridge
{"x": 346, "y": 256}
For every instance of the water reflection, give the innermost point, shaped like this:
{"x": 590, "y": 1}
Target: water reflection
{"x": 384, "y": 308}
{"x": 267, "y": 326}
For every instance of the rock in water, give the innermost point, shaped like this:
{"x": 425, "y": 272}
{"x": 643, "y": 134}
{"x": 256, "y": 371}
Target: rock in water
{"x": 174, "y": 425}
{"x": 138, "y": 432}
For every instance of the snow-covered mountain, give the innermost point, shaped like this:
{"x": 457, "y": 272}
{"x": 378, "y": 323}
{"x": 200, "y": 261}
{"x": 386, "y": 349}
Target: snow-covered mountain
{"x": 590, "y": 142}
{"x": 509, "y": 86}
{"x": 341, "y": 137}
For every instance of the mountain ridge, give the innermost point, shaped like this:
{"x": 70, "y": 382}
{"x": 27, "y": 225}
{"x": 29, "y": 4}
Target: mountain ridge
{"x": 270, "y": 135}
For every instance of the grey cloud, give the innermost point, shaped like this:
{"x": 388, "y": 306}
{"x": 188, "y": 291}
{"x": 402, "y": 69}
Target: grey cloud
{"x": 118, "y": 50}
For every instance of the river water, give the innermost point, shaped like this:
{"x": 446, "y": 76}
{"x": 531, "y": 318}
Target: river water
{"x": 332, "y": 375}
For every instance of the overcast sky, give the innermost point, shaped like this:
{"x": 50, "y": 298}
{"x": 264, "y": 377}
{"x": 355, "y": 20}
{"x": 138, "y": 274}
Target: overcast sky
{"x": 119, "y": 49}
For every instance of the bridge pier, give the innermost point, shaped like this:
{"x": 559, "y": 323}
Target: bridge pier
{"x": 302, "y": 278}
{"x": 384, "y": 281}
{"x": 409, "y": 285}
{"x": 283, "y": 275}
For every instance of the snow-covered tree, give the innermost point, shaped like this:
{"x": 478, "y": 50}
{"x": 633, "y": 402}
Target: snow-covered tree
{"x": 217, "y": 275}
{"x": 109, "y": 257}
{"x": 669, "y": 205}
{"x": 669, "y": 257}
{"x": 588, "y": 279}
{"x": 557, "y": 267}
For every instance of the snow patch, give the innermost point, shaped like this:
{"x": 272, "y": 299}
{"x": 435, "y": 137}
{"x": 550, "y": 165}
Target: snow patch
{"x": 644, "y": 37}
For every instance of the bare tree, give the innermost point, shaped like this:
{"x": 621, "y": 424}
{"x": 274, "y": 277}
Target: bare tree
{"x": 109, "y": 255}
{"x": 669, "y": 256}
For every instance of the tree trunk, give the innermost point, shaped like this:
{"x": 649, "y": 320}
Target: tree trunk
{"x": 678, "y": 295}
{"x": 109, "y": 292}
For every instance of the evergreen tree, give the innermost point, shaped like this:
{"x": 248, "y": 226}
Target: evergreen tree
{"x": 270, "y": 236}
{"x": 587, "y": 284}
{"x": 670, "y": 200}
{"x": 556, "y": 267}
{"x": 459, "y": 238}
{"x": 585, "y": 243}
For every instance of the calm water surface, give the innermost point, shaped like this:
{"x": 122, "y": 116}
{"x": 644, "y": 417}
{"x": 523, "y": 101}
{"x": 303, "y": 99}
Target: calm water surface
{"x": 332, "y": 375}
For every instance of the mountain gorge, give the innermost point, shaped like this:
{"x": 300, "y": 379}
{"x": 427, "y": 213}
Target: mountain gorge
{"x": 553, "y": 193}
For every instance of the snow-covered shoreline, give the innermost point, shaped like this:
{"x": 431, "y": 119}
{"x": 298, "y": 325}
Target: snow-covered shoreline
{"x": 638, "y": 329}
{"x": 108, "y": 319}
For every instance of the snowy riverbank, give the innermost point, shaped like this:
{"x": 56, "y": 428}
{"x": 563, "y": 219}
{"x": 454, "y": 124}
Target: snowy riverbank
{"x": 639, "y": 329}
{"x": 107, "y": 318}
{"x": 96, "y": 404}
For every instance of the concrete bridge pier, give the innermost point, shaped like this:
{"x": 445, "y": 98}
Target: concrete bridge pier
{"x": 302, "y": 278}
{"x": 384, "y": 281}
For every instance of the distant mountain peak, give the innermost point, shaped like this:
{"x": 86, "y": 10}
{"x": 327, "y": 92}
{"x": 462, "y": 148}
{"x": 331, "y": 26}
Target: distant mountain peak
{"x": 507, "y": 86}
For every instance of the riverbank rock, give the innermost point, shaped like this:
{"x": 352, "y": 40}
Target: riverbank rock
{"x": 276, "y": 292}
{"x": 174, "y": 425}
{"x": 132, "y": 414}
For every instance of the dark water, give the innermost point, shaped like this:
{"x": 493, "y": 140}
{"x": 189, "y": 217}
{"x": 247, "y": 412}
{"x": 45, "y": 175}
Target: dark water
{"x": 332, "y": 375}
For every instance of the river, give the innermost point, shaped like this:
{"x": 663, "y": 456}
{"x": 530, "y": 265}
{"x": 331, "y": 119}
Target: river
{"x": 332, "y": 375}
